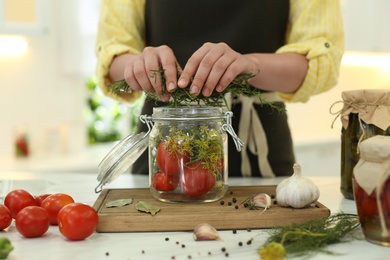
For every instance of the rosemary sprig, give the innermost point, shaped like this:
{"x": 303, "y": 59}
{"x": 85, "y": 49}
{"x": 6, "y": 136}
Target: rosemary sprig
{"x": 309, "y": 237}
{"x": 182, "y": 96}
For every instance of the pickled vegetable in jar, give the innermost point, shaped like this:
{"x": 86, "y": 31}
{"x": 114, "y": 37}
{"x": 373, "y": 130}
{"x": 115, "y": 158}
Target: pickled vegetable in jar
{"x": 371, "y": 185}
{"x": 366, "y": 113}
{"x": 188, "y": 154}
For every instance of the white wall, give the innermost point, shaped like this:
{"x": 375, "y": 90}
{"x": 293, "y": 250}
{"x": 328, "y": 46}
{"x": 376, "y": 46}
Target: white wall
{"x": 44, "y": 90}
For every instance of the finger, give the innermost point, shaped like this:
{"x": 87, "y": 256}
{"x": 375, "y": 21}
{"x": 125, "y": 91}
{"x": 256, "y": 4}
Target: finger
{"x": 152, "y": 65}
{"x": 192, "y": 66}
{"x": 203, "y": 73}
{"x": 170, "y": 67}
{"x": 218, "y": 76}
{"x": 130, "y": 77}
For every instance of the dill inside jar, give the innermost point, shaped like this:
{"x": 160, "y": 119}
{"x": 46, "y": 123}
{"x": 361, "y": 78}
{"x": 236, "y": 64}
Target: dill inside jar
{"x": 188, "y": 154}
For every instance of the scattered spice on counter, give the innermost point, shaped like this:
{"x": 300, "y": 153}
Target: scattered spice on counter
{"x": 236, "y": 207}
{"x": 222, "y": 202}
{"x": 234, "y": 200}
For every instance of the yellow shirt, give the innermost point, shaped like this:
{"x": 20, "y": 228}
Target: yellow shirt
{"x": 315, "y": 29}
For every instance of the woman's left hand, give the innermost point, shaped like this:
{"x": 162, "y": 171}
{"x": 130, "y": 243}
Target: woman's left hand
{"x": 214, "y": 66}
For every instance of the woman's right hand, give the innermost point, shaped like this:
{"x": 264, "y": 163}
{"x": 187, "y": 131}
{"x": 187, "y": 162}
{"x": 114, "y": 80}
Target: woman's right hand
{"x": 139, "y": 69}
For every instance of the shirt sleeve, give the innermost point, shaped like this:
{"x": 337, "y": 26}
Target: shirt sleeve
{"x": 120, "y": 30}
{"x": 315, "y": 29}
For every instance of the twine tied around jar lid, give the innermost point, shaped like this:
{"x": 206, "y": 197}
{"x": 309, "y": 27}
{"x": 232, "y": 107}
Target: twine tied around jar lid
{"x": 372, "y": 107}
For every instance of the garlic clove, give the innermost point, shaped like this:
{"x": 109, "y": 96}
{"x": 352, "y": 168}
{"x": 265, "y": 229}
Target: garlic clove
{"x": 297, "y": 191}
{"x": 261, "y": 200}
{"x": 205, "y": 232}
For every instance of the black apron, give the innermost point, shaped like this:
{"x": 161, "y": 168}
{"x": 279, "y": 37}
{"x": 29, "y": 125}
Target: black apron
{"x": 247, "y": 26}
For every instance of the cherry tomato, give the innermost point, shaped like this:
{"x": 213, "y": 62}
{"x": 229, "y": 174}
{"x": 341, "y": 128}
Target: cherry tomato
{"x": 5, "y": 217}
{"x": 18, "y": 199}
{"x": 32, "y": 221}
{"x": 170, "y": 159}
{"x": 40, "y": 198}
{"x": 77, "y": 221}
{"x": 164, "y": 182}
{"x": 54, "y": 203}
{"x": 196, "y": 180}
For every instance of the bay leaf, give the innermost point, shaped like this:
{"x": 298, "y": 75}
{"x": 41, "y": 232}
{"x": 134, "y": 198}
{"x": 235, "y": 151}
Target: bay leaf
{"x": 119, "y": 203}
{"x": 147, "y": 207}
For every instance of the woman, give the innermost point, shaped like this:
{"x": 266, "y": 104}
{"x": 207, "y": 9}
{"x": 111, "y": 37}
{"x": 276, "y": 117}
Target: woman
{"x": 294, "y": 48}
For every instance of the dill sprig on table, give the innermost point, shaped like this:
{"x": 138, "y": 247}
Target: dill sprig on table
{"x": 310, "y": 237}
{"x": 182, "y": 96}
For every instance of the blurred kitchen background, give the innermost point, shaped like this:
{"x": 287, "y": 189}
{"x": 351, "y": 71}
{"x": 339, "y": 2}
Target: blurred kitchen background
{"x": 49, "y": 101}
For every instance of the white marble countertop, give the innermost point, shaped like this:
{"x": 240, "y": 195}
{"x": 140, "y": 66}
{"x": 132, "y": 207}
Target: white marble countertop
{"x": 152, "y": 245}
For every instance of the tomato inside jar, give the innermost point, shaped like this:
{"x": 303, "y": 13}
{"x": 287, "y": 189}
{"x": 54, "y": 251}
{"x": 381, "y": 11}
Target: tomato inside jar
{"x": 374, "y": 212}
{"x": 188, "y": 154}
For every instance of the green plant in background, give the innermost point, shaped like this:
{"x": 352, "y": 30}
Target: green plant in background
{"x": 108, "y": 120}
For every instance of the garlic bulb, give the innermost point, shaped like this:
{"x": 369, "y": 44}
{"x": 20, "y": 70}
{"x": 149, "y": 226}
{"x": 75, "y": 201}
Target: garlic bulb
{"x": 297, "y": 191}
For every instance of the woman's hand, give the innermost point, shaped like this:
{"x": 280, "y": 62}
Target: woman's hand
{"x": 214, "y": 66}
{"x": 139, "y": 68}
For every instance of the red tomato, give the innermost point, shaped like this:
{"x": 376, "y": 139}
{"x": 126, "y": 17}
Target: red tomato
{"x": 5, "y": 217}
{"x": 18, "y": 199}
{"x": 164, "y": 182}
{"x": 32, "y": 221}
{"x": 40, "y": 198}
{"x": 77, "y": 221}
{"x": 196, "y": 180}
{"x": 54, "y": 203}
{"x": 170, "y": 160}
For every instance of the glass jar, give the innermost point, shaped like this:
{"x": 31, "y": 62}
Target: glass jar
{"x": 187, "y": 149}
{"x": 188, "y": 154}
{"x": 371, "y": 185}
{"x": 366, "y": 113}
{"x": 356, "y": 132}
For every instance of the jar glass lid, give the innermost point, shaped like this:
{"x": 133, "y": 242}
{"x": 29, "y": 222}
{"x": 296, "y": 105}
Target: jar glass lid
{"x": 121, "y": 157}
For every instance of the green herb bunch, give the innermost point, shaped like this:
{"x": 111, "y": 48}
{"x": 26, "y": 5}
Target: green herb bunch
{"x": 182, "y": 96}
{"x": 309, "y": 237}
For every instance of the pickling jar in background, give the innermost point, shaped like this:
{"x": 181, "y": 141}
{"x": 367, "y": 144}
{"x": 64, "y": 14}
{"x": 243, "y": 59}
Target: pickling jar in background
{"x": 366, "y": 113}
{"x": 371, "y": 185}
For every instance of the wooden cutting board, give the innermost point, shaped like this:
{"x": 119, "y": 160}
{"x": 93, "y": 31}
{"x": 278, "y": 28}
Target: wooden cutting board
{"x": 184, "y": 216}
